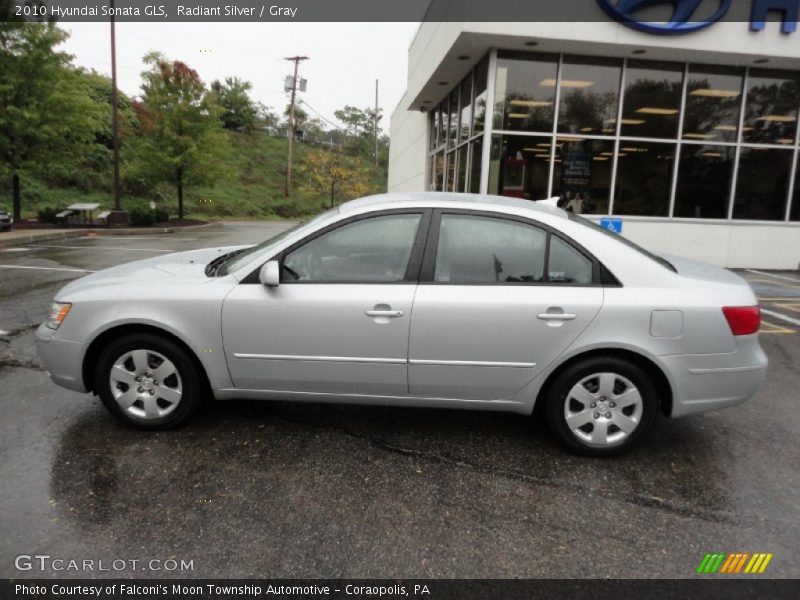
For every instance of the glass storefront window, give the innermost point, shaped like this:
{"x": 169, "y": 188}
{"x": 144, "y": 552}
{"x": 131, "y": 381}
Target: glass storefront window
{"x": 582, "y": 174}
{"x": 481, "y": 97}
{"x": 452, "y": 127}
{"x": 519, "y": 166}
{"x": 434, "y": 129}
{"x": 461, "y": 171}
{"x": 644, "y": 175}
{"x": 770, "y": 115}
{"x": 450, "y": 172}
{"x": 713, "y": 101}
{"x": 437, "y": 172}
{"x": 476, "y": 154}
{"x": 794, "y": 215}
{"x": 443, "y": 119}
{"x": 652, "y": 102}
{"x": 525, "y": 91}
{"x": 762, "y": 184}
{"x": 704, "y": 181}
{"x": 589, "y": 90}
{"x": 466, "y": 109}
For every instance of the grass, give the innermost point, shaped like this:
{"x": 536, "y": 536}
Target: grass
{"x": 253, "y": 187}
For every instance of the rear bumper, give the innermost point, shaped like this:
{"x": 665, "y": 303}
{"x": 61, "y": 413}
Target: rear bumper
{"x": 62, "y": 359}
{"x": 705, "y": 382}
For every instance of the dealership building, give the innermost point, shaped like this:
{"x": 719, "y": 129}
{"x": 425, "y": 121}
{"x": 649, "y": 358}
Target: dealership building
{"x": 687, "y": 142}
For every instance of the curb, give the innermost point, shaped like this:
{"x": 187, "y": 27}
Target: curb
{"x": 62, "y": 235}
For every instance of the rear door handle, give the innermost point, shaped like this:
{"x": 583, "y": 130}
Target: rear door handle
{"x": 392, "y": 314}
{"x": 557, "y": 316}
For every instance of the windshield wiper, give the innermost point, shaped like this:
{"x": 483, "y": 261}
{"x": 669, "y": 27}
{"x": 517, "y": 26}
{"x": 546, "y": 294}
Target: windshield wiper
{"x": 214, "y": 265}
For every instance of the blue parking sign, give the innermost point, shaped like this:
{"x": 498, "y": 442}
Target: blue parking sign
{"x": 614, "y": 225}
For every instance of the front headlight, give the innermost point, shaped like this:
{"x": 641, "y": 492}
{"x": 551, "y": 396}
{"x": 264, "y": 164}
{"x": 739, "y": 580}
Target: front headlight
{"x": 58, "y": 312}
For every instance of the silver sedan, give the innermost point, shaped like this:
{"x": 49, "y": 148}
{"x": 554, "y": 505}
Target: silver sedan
{"x": 427, "y": 300}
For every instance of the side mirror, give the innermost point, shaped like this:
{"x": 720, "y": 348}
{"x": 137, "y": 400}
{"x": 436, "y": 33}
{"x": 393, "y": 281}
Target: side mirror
{"x": 270, "y": 273}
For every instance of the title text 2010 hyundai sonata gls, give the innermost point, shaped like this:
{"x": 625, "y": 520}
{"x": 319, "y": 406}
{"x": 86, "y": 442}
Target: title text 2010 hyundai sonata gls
{"x": 439, "y": 300}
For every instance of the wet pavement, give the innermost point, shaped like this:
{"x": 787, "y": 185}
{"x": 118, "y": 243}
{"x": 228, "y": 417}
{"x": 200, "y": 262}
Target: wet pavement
{"x": 301, "y": 490}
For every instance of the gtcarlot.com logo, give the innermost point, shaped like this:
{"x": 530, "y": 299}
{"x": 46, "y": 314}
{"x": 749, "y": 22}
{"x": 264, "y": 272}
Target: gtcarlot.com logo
{"x": 46, "y": 562}
{"x": 738, "y": 562}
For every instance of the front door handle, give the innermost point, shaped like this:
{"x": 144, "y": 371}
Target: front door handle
{"x": 557, "y": 316}
{"x": 391, "y": 314}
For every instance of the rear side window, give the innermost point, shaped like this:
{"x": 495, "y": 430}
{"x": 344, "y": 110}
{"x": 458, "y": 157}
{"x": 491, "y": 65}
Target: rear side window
{"x": 482, "y": 250}
{"x": 567, "y": 265}
{"x": 373, "y": 250}
{"x": 487, "y": 250}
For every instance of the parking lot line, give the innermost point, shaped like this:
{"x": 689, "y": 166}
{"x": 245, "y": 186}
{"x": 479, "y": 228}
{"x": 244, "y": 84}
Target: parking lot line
{"x": 103, "y": 248}
{"x": 781, "y": 316}
{"x": 795, "y": 306}
{"x": 772, "y": 328}
{"x": 47, "y": 268}
{"x": 785, "y": 277}
{"x": 134, "y": 237}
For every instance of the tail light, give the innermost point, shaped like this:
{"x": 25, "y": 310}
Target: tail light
{"x": 743, "y": 320}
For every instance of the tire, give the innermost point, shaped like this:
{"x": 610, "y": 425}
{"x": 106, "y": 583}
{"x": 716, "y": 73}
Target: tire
{"x": 168, "y": 392}
{"x": 601, "y": 406}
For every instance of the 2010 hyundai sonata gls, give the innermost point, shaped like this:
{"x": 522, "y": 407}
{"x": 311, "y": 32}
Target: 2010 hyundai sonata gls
{"x": 440, "y": 300}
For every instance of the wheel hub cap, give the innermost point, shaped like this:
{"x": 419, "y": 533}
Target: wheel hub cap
{"x": 145, "y": 384}
{"x": 603, "y": 409}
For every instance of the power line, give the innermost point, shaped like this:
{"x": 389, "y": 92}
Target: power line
{"x": 321, "y": 116}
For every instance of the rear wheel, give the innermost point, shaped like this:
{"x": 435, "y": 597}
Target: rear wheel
{"x": 601, "y": 406}
{"x": 148, "y": 382}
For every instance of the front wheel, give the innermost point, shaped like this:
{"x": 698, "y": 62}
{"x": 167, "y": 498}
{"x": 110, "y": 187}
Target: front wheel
{"x": 148, "y": 382}
{"x": 601, "y": 406}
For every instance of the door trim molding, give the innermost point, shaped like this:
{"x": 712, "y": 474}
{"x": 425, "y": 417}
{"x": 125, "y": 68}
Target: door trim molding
{"x": 385, "y": 361}
{"x": 346, "y": 359}
{"x": 471, "y": 363}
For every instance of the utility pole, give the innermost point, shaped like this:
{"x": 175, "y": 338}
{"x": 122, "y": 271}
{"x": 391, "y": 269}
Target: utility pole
{"x": 119, "y": 217}
{"x": 296, "y": 60}
{"x": 376, "y": 122}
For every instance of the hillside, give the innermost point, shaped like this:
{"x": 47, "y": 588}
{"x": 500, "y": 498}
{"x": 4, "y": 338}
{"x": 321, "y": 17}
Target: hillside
{"x": 251, "y": 188}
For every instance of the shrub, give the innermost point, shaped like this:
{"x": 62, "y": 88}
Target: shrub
{"x": 48, "y": 214}
{"x": 141, "y": 217}
{"x": 160, "y": 215}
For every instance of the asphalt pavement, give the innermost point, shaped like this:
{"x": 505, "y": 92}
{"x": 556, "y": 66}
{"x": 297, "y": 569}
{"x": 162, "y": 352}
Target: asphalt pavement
{"x": 273, "y": 489}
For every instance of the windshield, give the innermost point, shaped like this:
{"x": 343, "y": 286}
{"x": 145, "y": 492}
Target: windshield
{"x": 662, "y": 261}
{"x": 241, "y": 257}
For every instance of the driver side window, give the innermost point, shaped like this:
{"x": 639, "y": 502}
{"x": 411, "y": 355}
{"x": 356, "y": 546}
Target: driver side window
{"x": 372, "y": 250}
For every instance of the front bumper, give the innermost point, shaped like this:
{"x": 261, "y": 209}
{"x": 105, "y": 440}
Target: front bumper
{"x": 705, "y": 382}
{"x": 62, "y": 359}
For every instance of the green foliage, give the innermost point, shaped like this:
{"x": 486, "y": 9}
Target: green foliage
{"x": 48, "y": 214}
{"x": 44, "y": 112}
{"x": 141, "y": 217}
{"x": 238, "y": 110}
{"x": 181, "y": 129}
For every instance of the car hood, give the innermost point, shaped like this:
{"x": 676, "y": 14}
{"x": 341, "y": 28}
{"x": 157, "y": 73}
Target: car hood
{"x": 177, "y": 268}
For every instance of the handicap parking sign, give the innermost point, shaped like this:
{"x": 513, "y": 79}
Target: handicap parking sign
{"x": 614, "y": 225}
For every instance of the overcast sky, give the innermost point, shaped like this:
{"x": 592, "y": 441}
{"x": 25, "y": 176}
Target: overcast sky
{"x": 345, "y": 58}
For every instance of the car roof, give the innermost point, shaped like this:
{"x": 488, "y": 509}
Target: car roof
{"x": 443, "y": 199}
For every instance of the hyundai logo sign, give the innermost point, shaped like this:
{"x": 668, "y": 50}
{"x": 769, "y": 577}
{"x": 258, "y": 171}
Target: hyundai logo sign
{"x": 680, "y": 22}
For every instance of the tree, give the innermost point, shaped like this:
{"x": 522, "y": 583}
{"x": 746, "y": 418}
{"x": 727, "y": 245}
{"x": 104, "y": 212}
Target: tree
{"x": 181, "y": 130}
{"x": 333, "y": 174}
{"x": 359, "y": 128}
{"x": 238, "y": 109}
{"x": 43, "y": 111}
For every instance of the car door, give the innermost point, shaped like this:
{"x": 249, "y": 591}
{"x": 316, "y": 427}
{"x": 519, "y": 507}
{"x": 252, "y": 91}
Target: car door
{"x": 499, "y": 299}
{"x": 338, "y": 322}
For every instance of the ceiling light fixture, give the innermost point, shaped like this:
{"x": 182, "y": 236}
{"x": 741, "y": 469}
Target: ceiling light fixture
{"x": 651, "y": 110}
{"x": 712, "y": 93}
{"x": 530, "y": 103}
{"x": 566, "y": 83}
